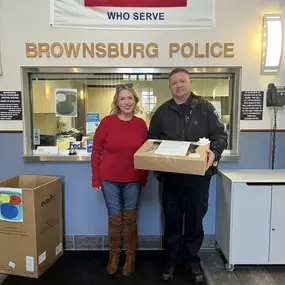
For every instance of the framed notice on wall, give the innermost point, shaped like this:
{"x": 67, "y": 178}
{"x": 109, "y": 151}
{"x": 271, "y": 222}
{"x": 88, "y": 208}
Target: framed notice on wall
{"x": 66, "y": 102}
{"x": 11, "y": 111}
{"x": 251, "y": 105}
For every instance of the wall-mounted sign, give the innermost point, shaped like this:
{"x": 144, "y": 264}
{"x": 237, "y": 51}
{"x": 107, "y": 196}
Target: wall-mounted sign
{"x": 10, "y": 106}
{"x": 36, "y": 137}
{"x": 66, "y": 102}
{"x": 251, "y": 105}
{"x": 133, "y": 14}
{"x": 92, "y": 122}
{"x": 128, "y": 50}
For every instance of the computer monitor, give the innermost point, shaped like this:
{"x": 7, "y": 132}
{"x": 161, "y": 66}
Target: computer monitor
{"x": 47, "y": 140}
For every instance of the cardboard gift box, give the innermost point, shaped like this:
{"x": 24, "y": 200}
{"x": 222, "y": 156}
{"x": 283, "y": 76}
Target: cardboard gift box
{"x": 31, "y": 226}
{"x": 173, "y": 156}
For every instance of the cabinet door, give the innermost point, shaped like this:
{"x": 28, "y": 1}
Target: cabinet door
{"x": 48, "y": 105}
{"x": 37, "y": 100}
{"x": 277, "y": 238}
{"x": 250, "y": 223}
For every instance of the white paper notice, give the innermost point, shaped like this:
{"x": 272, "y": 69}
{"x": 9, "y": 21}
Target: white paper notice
{"x": 42, "y": 257}
{"x": 58, "y": 249}
{"x": 12, "y": 264}
{"x": 30, "y": 264}
{"x": 173, "y": 148}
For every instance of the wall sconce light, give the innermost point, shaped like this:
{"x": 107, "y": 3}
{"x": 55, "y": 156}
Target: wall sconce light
{"x": 81, "y": 94}
{"x": 272, "y": 48}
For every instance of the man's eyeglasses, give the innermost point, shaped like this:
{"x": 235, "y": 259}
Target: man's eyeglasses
{"x": 127, "y": 85}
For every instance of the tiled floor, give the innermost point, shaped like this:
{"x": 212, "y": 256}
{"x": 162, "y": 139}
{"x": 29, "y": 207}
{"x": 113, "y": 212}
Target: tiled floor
{"x": 2, "y": 277}
{"x": 216, "y": 273}
{"x": 88, "y": 267}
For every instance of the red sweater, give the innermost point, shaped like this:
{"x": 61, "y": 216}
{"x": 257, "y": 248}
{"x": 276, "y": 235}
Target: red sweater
{"x": 114, "y": 145}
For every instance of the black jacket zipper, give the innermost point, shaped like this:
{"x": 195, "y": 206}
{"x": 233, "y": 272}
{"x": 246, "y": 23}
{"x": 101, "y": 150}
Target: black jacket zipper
{"x": 186, "y": 120}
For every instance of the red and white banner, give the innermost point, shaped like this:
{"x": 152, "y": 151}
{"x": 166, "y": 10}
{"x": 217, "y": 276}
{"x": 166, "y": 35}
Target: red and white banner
{"x": 133, "y": 14}
{"x": 136, "y": 3}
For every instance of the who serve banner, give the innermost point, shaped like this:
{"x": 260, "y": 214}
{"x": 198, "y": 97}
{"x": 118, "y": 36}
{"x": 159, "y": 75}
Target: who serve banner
{"x": 133, "y": 14}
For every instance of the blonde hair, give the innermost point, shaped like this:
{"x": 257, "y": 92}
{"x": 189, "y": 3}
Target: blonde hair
{"x": 114, "y": 106}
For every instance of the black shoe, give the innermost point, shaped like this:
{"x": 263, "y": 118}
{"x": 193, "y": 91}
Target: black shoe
{"x": 167, "y": 274}
{"x": 197, "y": 273}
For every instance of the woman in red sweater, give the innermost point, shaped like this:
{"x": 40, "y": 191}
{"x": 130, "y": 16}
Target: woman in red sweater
{"x": 117, "y": 138}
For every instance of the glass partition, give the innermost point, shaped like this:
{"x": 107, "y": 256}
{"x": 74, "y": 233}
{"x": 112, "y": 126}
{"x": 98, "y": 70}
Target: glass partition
{"x": 66, "y": 106}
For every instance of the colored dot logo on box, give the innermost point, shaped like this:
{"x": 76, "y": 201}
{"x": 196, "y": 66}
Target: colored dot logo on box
{"x": 9, "y": 211}
{"x": 15, "y": 200}
{"x": 4, "y": 198}
{"x": 11, "y": 205}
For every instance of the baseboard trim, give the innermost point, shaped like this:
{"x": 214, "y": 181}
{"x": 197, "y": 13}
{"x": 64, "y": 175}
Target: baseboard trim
{"x": 145, "y": 242}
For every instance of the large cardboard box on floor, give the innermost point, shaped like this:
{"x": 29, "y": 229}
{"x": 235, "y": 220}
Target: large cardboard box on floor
{"x": 194, "y": 160}
{"x": 31, "y": 229}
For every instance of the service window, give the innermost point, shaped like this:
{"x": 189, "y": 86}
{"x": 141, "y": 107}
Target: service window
{"x": 63, "y": 107}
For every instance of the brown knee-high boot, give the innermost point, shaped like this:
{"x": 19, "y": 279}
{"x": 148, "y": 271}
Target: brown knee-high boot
{"x": 130, "y": 240}
{"x": 114, "y": 235}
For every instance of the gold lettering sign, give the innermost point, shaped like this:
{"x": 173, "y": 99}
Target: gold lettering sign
{"x": 128, "y": 50}
{"x": 196, "y": 50}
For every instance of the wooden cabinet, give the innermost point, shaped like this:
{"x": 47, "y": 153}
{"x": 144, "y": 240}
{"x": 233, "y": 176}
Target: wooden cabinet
{"x": 37, "y": 100}
{"x": 43, "y": 98}
{"x": 250, "y": 216}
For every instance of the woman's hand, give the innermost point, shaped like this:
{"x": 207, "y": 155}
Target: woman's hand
{"x": 98, "y": 189}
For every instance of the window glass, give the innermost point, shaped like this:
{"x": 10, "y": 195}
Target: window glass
{"x": 67, "y": 109}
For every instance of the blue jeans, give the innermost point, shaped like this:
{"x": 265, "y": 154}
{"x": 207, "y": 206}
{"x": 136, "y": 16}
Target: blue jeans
{"x": 120, "y": 195}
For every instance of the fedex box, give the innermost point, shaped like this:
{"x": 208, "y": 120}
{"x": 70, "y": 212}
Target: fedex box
{"x": 31, "y": 229}
{"x": 172, "y": 156}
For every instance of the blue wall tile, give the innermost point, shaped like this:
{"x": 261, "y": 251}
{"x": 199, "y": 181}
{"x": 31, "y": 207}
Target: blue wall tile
{"x": 84, "y": 208}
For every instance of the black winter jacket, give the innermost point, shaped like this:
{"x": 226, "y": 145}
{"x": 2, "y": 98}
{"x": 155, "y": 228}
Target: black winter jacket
{"x": 168, "y": 123}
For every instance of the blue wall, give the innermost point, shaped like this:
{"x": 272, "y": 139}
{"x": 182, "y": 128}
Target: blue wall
{"x": 84, "y": 209}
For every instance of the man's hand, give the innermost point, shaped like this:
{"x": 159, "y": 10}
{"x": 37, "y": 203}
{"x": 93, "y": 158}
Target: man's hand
{"x": 211, "y": 158}
{"x": 98, "y": 189}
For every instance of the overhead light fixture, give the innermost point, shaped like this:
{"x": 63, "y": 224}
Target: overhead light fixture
{"x": 81, "y": 94}
{"x": 272, "y": 48}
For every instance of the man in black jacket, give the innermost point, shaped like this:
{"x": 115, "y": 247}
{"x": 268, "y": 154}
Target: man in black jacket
{"x": 186, "y": 117}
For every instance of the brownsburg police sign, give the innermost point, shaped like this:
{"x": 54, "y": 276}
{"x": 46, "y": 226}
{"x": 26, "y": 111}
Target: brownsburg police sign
{"x": 128, "y": 50}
